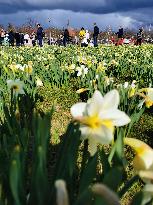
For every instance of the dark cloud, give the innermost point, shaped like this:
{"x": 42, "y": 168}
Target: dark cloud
{"x": 105, "y": 12}
{"x": 96, "y": 6}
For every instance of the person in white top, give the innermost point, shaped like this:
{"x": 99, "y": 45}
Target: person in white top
{"x": 86, "y": 38}
{"x": 26, "y": 38}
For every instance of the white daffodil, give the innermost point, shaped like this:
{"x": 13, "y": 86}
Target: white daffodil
{"x": 20, "y": 67}
{"x": 98, "y": 117}
{"x": 143, "y": 160}
{"x": 85, "y": 69}
{"x": 108, "y": 80}
{"x": 147, "y": 194}
{"x": 39, "y": 83}
{"x": 82, "y": 70}
{"x": 16, "y": 86}
{"x": 126, "y": 84}
{"x": 79, "y": 69}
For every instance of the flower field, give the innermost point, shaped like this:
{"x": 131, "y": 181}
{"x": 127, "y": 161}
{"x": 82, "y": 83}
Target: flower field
{"x": 76, "y": 125}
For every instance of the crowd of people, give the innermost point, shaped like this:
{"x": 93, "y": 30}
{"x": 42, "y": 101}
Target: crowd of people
{"x": 91, "y": 39}
{"x": 84, "y": 37}
{"x": 13, "y": 38}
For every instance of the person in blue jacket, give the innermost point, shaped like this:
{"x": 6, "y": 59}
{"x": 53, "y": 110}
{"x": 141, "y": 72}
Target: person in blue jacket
{"x": 95, "y": 35}
{"x": 40, "y": 35}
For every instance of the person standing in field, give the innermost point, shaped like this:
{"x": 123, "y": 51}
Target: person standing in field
{"x": 120, "y": 34}
{"x": 139, "y": 37}
{"x": 65, "y": 37}
{"x": 86, "y": 39}
{"x": 2, "y": 35}
{"x": 11, "y": 37}
{"x": 40, "y": 35}
{"x": 18, "y": 39}
{"x": 82, "y": 35}
{"x": 95, "y": 35}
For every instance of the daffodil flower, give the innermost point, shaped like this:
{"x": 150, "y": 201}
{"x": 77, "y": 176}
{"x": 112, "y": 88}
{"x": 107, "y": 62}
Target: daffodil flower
{"x": 148, "y": 98}
{"x": 126, "y": 84}
{"x": 132, "y": 89}
{"x": 16, "y": 86}
{"x": 82, "y": 70}
{"x": 98, "y": 117}
{"x": 143, "y": 160}
{"x": 39, "y": 83}
{"x": 81, "y": 90}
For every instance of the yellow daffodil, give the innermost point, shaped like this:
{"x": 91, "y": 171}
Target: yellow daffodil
{"x": 144, "y": 154}
{"x": 148, "y": 98}
{"x": 98, "y": 117}
{"x": 113, "y": 62}
{"x": 28, "y": 68}
{"x": 13, "y": 67}
{"x": 16, "y": 86}
{"x": 132, "y": 89}
{"x": 101, "y": 67}
{"x": 71, "y": 67}
{"x": 131, "y": 92}
{"x": 81, "y": 90}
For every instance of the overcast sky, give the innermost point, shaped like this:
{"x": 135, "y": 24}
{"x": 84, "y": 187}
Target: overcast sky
{"x": 127, "y": 13}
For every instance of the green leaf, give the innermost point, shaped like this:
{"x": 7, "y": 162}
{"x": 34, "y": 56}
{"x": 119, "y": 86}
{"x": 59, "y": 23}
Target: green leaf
{"x": 16, "y": 178}
{"x": 89, "y": 173}
{"x": 84, "y": 198}
{"x": 105, "y": 164}
{"x": 113, "y": 178}
{"x": 68, "y": 153}
{"x": 138, "y": 198}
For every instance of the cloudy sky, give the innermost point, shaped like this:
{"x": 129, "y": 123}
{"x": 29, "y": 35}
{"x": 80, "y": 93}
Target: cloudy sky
{"x": 127, "y": 13}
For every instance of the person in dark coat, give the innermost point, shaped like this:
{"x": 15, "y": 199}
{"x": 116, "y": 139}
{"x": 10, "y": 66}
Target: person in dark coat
{"x": 95, "y": 35}
{"x": 11, "y": 38}
{"x": 17, "y": 38}
{"x": 120, "y": 32}
{"x": 65, "y": 37}
{"x": 40, "y": 35}
{"x": 2, "y": 35}
{"x": 139, "y": 37}
{"x": 22, "y": 39}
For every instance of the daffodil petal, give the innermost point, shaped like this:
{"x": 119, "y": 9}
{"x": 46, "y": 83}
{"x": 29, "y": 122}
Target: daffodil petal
{"x": 95, "y": 103}
{"x": 150, "y": 94}
{"x": 78, "y": 109}
{"x": 117, "y": 117}
{"x": 92, "y": 148}
{"x": 103, "y": 135}
{"x": 85, "y": 132}
{"x": 111, "y": 100}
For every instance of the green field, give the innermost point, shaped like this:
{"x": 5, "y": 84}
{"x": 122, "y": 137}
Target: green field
{"x": 41, "y": 140}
